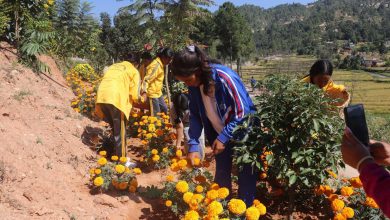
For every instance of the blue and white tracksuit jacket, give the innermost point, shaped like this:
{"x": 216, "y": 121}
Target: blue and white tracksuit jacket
{"x": 233, "y": 104}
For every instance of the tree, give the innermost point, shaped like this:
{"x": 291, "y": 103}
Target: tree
{"x": 4, "y": 18}
{"x": 107, "y": 34}
{"x": 234, "y": 33}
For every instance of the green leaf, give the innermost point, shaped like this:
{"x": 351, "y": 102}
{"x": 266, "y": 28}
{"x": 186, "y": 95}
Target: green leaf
{"x": 316, "y": 125}
{"x": 292, "y": 180}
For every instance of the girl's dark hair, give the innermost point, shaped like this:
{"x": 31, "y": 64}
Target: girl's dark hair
{"x": 146, "y": 56}
{"x": 191, "y": 59}
{"x": 321, "y": 67}
{"x": 165, "y": 52}
{"x": 131, "y": 57}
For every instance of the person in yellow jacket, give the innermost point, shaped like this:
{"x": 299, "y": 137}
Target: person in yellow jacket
{"x": 153, "y": 82}
{"x": 320, "y": 75}
{"x": 117, "y": 92}
{"x": 146, "y": 60}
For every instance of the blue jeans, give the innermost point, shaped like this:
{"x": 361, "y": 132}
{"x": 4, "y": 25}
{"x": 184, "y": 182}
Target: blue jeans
{"x": 158, "y": 105}
{"x": 247, "y": 177}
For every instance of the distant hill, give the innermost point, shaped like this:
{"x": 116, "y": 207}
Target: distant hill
{"x": 291, "y": 28}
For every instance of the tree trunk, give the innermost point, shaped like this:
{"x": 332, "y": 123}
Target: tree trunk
{"x": 17, "y": 33}
{"x": 239, "y": 67}
{"x": 291, "y": 203}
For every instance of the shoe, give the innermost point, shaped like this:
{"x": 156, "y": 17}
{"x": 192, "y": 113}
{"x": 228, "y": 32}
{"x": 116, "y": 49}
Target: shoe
{"x": 130, "y": 164}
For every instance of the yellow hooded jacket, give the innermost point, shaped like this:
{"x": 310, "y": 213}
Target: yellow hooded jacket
{"x": 154, "y": 78}
{"x": 332, "y": 90}
{"x": 120, "y": 87}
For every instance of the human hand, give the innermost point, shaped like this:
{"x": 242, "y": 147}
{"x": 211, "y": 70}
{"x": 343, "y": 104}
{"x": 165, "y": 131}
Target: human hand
{"x": 353, "y": 150}
{"x": 381, "y": 152}
{"x": 218, "y": 147}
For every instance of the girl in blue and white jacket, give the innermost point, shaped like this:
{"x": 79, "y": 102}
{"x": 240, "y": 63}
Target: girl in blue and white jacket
{"x": 218, "y": 103}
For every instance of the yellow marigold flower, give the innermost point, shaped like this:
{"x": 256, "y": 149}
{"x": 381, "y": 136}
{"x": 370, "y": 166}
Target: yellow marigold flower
{"x": 334, "y": 175}
{"x": 196, "y": 161}
{"x": 136, "y": 123}
{"x": 319, "y": 190}
{"x": 182, "y": 186}
{"x": 144, "y": 142}
{"x": 137, "y": 171}
{"x": 102, "y": 161}
{"x": 339, "y": 216}
{"x": 252, "y": 213}
{"x": 371, "y": 203}
{"x": 92, "y": 171}
{"x": 103, "y": 153}
{"x": 262, "y": 209}
{"x": 169, "y": 178}
{"x": 174, "y": 160}
{"x": 154, "y": 151}
{"x": 355, "y": 182}
{"x": 182, "y": 163}
{"x": 135, "y": 115}
{"x": 337, "y": 205}
{"x": 214, "y": 208}
{"x": 98, "y": 181}
{"x": 187, "y": 197}
{"x": 156, "y": 158}
{"x": 328, "y": 190}
{"x": 207, "y": 201}
{"x": 348, "y": 212}
{"x": 199, "y": 189}
{"x": 144, "y": 117}
{"x": 168, "y": 203}
{"x": 223, "y": 193}
{"x": 212, "y": 194}
{"x": 165, "y": 150}
{"x": 134, "y": 183}
{"x": 132, "y": 189}
{"x": 175, "y": 167}
{"x": 149, "y": 136}
{"x": 237, "y": 206}
{"x": 179, "y": 153}
{"x": 123, "y": 185}
{"x": 120, "y": 168}
{"x": 151, "y": 128}
{"x": 114, "y": 158}
{"x": 256, "y": 202}
{"x": 194, "y": 205}
{"x": 191, "y": 215}
{"x": 214, "y": 186}
{"x": 141, "y": 123}
{"x": 98, "y": 171}
{"x": 127, "y": 170}
{"x": 346, "y": 191}
{"x": 123, "y": 159}
{"x": 198, "y": 197}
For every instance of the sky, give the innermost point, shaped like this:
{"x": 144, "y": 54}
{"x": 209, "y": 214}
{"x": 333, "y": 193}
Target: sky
{"x": 112, "y": 6}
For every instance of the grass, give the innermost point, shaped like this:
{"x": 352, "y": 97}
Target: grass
{"x": 20, "y": 95}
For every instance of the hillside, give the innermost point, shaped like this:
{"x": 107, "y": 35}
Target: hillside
{"x": 302, "y": 29}
{"x": 44, "y": 164}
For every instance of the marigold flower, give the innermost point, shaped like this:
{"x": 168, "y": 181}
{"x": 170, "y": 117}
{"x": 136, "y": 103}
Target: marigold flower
{"x": 182, "y": 163}
{"x": 199, "y": 189}
{"x": 198, "y": 197}
{"x": 169, "y": 178}
{"x": 159, "y": 132}
{"x": 175, "y": 167}
{"x": 332, "y": 197}
{"x": 262, "y": 209}
{"x": 191, "y": 215}
{"x": 120, "y": 168}
{"x": 334, "y": 175}
{"x": 103, "y": 153}
{"x": 123, "y": 185}
{"x": 196, "y": 161}
{"x": 348, "y": 212}
{"x": 168, "y": 203}
{"x": 355, "y": 182}
{"x": 337, "y": 205}
{"x": 165, "y": 150}
{"x": 263, "y": 176}
{"x": 256, "y": 202}
{"x": 237, "y": 206}
{"x": 154, "y": 151}
{"x": 98, "y": 171}
{"x": 182, "y": 186}
{"x": 123, "y": 159}
{"x": 187, "y": 196}
{"x": 132, "y": 189}
{"x": 102, "y": 161}
{"x": 223, "y": 193}
{"x": 179, "y": 153}
{"x": 339, "y": 216}
{"x": 137, "y": 171}
{"x": 156, "y": 158}
{"x": 252, "y": 213}
{"x": 135, "y": 115}
{"x": 114, "y": 158}
{"x": 193, "y": 203}
{"x": 174, "y": 160}
{"x": 214, "y": 208}
{"x": 346, "y": 191}
{"x": 370, "y": 202}
{"x": 92, "y": 171}
{"x": 98, "y": 181}
{"x": 212, "y": 194}
{"x": 214, "y": 186}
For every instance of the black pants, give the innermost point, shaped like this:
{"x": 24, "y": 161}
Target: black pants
{"x": 117, "y": 121}
{"x": 158, "y": 105}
